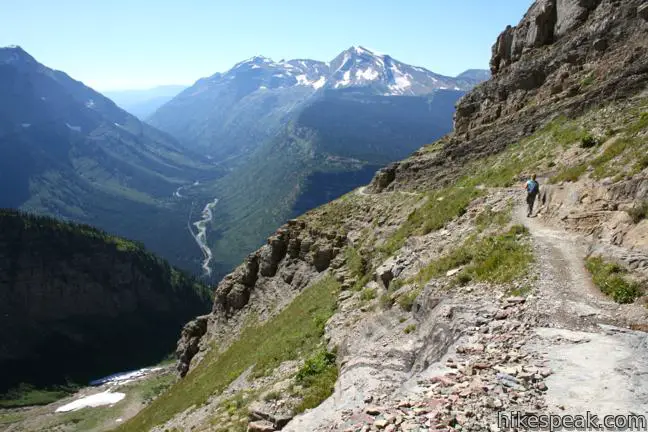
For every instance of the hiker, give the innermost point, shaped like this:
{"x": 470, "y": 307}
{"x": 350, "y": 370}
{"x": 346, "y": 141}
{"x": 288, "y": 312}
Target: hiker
{"x": 533, "y": 188}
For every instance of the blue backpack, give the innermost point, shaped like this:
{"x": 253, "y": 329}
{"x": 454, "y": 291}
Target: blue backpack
{"x": 532, "y": 187}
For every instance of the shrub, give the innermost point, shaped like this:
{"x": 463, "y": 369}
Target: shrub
{"x": 386, "y": 301}
{"x": 588, "y": 141}
{"x": 611, "y": 279}
{"x": 406, "y": 301}
{"x": 317, "y": 376}
{"x": 638, "y": 212}
{"x": 368, "y": 294}
{"x": 409, "y": 329}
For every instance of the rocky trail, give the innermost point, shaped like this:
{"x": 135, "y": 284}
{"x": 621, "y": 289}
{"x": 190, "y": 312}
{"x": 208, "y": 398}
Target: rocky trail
{"x": 564, "y": 348}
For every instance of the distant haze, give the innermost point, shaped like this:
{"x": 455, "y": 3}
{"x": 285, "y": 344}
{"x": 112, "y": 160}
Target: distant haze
{"x": 143, "y": 103}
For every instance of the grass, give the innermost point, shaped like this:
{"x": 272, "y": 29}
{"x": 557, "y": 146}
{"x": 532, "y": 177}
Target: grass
{"x": 295, "y": 332}
{"x": 639, "y": 211}
{"x": 441, "y": 207}
{"x": 272, "y": 396}
{"x": 12, "y": 417}
{"x": 409, "y": 329}
{"x": 406, "y": 301}
{"x": 570, "y": 173}
{"x": 564, "y": 131}
{"x": 611, "y": 279}
{"x": 499, "y": 258}
{"x": 588, "y": 80}
{"x": 357, "y": 266}
{"x": 613, "y": 150}
{"x": 153, "y": 387}
{"x": 639, "y": 125}
{"x": 368, "y": 294}
{"x": 317, "y": 378}
{"x": 522, "y": 291}
{"x": 386, "y": 301}
{"x": 28, "y": 395}
{"x": 489, "y": 218}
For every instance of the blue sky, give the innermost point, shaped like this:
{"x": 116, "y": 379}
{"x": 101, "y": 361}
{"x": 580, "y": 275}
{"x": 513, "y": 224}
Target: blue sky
{"x": 124, "y": 44}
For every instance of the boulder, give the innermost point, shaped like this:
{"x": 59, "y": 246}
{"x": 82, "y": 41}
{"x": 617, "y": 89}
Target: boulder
{"x": 261, "y": 426}
{"x": 322, "y": 258}
{"x": 238, "y": 296}
{"x": 572, "y": 13}
{"x": 542, "y": 22}
{"x": 189, "y": 343}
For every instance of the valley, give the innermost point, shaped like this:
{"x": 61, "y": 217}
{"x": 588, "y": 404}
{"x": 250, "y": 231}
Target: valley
{"x": 359, "y": 255}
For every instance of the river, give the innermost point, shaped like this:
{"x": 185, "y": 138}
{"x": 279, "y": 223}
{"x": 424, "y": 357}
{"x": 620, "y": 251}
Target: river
{"x": 201, "y": 238}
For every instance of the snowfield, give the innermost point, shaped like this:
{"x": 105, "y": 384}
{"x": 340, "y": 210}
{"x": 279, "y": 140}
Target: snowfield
{"x": 93, "y": 401}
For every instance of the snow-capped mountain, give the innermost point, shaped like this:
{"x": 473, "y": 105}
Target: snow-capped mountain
{"x": 233, "y": 112}
{"x": 360, "y": 67}
{"x": 356, "y": 67}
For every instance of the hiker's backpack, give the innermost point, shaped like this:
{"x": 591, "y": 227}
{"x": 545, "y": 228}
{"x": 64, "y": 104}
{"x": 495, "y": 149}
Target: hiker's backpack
{"x": 532, "y": 187}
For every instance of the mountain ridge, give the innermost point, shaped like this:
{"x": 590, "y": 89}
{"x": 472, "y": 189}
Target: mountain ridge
{"x": 68, "y": 151}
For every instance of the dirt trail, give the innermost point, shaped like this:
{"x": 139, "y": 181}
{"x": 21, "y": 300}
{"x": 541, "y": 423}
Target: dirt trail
{"x": 597, "y": 366}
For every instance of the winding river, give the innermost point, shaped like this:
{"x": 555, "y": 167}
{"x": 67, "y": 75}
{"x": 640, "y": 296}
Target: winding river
{"x": 201, "y": 237}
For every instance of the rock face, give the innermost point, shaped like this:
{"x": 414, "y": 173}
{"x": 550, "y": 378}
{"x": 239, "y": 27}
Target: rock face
{"x": 275, "y": 273}
{"x": 76, "y": 302}
{"x": 562, "y": 58}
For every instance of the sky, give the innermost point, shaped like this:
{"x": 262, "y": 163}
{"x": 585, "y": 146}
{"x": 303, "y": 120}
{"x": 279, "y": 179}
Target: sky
{"x": 137, "y": 44}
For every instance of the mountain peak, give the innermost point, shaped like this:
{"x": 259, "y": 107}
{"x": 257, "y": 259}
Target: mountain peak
{"x": 360, "y": 50}
{"x": 12, "y": 52}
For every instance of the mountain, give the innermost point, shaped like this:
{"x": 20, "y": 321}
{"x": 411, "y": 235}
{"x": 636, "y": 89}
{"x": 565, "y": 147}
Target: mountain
{"x": 296, "y": 134}
{"x": 142, "y": 103}
{"x": 475, "y": 76}
{"x": 231, "y": 113}
{"x": 68, "y": 151}
{"x": 429, "y": 299}
{"x": 77, "y": 303}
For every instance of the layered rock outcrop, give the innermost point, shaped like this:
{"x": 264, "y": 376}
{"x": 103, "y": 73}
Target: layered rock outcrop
{"x": 268, "y": 279}
{"x": 564, "y": 57}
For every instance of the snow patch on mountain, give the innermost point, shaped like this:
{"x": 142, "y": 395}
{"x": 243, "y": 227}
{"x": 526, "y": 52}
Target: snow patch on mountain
{"x": 319, "y": 83}
{"x": 369, "y": 74}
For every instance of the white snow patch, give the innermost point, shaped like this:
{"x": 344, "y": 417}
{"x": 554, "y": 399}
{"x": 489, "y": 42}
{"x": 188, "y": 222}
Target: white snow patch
{"x": 25, "y": 125}
{"x": 74, "y": 128}
{"x": 263, "y": 88}
{"x": 90, "y": 103}
{"x": 319, "y": 83}
{"x": 346, "y": 79}
{"x": 368, "y": 74}
{"x": 303, "y": 80}
{"x": 255, "y": 67}
{"x": 456, "y": 88}
{"x": 93, "y": 401}
{"x": 401, "y": 81}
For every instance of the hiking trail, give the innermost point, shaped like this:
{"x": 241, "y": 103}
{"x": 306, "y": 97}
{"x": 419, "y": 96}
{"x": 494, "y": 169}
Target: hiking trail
{"x": 597, "y": 366}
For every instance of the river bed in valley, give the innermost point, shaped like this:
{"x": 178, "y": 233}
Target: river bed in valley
{"x": 201, "y": 237}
